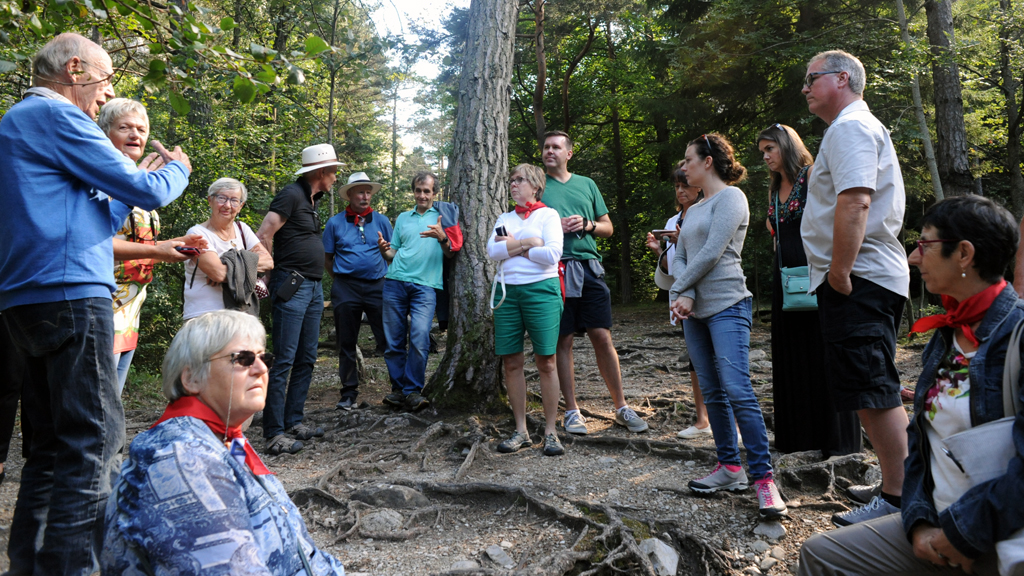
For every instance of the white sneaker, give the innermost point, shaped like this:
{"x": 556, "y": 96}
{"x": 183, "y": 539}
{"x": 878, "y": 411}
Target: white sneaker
{"x": 694, "y": 432}
{"x": 575, "y": 423}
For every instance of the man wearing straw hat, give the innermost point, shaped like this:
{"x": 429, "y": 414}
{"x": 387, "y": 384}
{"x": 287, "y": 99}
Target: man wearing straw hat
{"x": 358, "y": 269}
{"x": 297, "y": 296}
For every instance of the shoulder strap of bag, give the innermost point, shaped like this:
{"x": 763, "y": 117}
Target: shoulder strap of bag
{"x": 778, "y": 231}
{"x": 1011, "y": 372}
{"x": 241, "y": 234}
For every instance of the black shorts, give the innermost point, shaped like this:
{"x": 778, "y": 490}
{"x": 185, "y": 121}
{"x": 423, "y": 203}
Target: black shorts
{"x": 860, "y": 344}
{"x": 593, "y": 309}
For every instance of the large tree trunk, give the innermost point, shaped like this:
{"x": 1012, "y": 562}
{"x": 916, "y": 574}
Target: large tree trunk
{"x": 922, "y": 123}
{"x": 469, "y": 375}
{"x": 954, "y": 167}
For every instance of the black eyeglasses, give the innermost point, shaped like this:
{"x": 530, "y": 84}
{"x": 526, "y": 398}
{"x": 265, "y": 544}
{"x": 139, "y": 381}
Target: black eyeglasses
{"x": 246, "y": 358}
{"x": 921, "y": 243}
{"x": 810, "y": 78}
{"x": 516, "y": 181}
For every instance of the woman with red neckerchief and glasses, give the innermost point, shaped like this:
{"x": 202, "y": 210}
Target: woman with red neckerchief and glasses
{"x": 193, "y": 496}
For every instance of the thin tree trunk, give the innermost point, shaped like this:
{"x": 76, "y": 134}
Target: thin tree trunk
{"x": 542, "y": 70}
{"x": 622, "y": 210}
{"x": 922, "y": 122}
{"x": 469, "y": 375}
{"x": 951, "y": 156}
{"x": 566, "y": 116}
{"x": 1011, "y": 86}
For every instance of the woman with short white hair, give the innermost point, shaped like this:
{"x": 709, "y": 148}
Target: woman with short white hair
{"x": 136, "y": 248}
{"x": 204, "y": 276}
{"x": 193, "y": 495}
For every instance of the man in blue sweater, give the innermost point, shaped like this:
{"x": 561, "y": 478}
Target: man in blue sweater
{"x": 64, "y": 192}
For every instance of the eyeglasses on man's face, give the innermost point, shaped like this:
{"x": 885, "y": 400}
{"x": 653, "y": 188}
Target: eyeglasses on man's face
{"x": 222, "y": 200}
{"x": 811, "y": 77}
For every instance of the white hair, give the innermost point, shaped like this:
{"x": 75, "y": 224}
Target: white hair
{"x": 118, "y": 108}
{"x": 225, "y": 184}
{"x": 844, "y": 62}
{"x": 198, "y": 340}
{"x": 49, "y": 62}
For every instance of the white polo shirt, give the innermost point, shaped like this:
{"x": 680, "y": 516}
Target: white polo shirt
{"x": 857, "y": 152}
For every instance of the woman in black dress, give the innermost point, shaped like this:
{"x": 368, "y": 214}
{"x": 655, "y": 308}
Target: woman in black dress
{"x": 805, "y": 418}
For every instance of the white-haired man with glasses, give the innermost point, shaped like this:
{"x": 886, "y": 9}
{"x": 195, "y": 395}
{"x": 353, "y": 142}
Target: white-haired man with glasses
{"x": 61, "y": 173}
{"x": 858, "y": 265}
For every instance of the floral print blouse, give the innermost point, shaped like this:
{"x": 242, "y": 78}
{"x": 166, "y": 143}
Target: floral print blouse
{"x": 793, "y": 209}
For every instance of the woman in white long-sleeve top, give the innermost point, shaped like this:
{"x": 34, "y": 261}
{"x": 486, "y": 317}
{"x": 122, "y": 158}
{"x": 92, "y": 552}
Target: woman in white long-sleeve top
{"x": 527, "y": 243}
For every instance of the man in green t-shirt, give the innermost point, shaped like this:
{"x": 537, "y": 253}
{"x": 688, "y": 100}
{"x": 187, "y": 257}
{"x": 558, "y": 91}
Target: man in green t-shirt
{"x": 588, "y": 302}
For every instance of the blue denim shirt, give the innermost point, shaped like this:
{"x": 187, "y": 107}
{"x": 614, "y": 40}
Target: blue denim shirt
{"x": 991, "y": 511}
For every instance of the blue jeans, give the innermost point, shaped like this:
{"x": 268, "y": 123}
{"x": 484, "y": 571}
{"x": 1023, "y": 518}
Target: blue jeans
{"x": 123, "y": 361}
{"x": 408, "y": 310}
{"x": 70, "y": 401}
{"x": 719, "y": 347}
{"x": 296, "y": 334}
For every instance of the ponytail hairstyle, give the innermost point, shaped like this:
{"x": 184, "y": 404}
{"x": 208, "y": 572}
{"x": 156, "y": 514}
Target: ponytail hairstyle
{"x": 794, "y": 154}
{"x": 723, "y": 159}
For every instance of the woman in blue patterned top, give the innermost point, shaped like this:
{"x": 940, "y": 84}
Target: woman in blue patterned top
{"x": 805, "y": 418}
{"x": 193, "y": 496}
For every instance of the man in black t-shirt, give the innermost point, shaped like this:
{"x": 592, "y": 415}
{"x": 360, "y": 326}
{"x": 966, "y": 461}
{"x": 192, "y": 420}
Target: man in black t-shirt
{"x": 297, "y": 297}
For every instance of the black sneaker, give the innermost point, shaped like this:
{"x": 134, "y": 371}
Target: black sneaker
{"x": 396, "y": 399}
{"x": 415, "y": 401}
{"x": 282, "y": 444}
{"x": 552, "y": 447}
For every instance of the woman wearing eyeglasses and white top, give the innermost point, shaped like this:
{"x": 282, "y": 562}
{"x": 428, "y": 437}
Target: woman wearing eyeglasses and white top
{"x": 203, "y": 291}
{"x": 527, "y": 242}
{"x": 711, "y": 296}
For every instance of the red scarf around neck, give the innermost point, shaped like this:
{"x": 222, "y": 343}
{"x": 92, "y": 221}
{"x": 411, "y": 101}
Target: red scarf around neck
{"x": 529, "y": 208}
{"x": 351, "y": 212}
{"x": 192, "y": 406}
{"x": 962, "y": 314}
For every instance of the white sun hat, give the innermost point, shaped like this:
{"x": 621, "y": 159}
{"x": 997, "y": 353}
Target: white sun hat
{"x": 316, "y": 157}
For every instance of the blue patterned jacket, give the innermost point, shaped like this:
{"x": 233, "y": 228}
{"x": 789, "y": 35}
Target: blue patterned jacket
{"x": 184, "y": 505}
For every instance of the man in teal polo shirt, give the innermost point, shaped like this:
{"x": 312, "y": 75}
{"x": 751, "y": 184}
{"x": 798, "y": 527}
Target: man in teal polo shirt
{"x": 588, "y": 302}
{"x": 416, "y": 252}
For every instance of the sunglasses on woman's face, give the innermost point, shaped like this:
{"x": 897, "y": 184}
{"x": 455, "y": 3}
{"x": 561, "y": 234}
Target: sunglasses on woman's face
{"x": 247, "y": 358}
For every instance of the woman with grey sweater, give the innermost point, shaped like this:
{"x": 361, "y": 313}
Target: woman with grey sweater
{"x": 711, "y": 297}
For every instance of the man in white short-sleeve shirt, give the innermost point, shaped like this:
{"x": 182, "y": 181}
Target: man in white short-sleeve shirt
{"x": 858, "y": 266}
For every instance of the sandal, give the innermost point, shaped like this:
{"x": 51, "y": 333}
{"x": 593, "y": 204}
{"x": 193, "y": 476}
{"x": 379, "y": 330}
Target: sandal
{"x": 282, "y": 444}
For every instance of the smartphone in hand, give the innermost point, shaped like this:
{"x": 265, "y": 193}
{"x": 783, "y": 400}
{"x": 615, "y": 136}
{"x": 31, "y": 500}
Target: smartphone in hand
{"x": 189, "y": 250}
{"x": 500, "y": 231}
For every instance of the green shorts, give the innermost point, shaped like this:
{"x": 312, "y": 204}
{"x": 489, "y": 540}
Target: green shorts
{"x": 535, "y": 308}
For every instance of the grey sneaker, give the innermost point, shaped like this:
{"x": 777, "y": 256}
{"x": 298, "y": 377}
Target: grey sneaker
{"x": 862, "y": 493}
{"x": 628, "y": 418}
{"x": 720, "y": 479}
{"x": 303, "y": 432}
{"x": 876, "y": 508}
{"x": 552, "y": 447}
{"x": 282, "y": 444}
{"x": 346, "y": 404}
{"x": 769, "y": 502}
{"x": 517, "y": 441}
{"x": 575, "y": 423}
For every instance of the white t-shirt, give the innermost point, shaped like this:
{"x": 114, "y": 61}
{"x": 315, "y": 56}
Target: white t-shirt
{"x": 670, "y": 247}
{"x": 200, "y": 297}
{"x": 857, "y": 152}
{"x": 947, "y": 409}
{"x": 540, "y": 263}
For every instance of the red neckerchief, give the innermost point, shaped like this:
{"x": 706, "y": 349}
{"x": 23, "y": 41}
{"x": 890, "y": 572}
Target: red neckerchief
{"x": 529, "y": 208}
{"x": 192, "y": 406}
{"x": 962, "y": 314}
{"x": 351, "y": 212}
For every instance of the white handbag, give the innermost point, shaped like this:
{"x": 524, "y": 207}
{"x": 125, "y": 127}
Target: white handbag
{"x": 984, "y": 452}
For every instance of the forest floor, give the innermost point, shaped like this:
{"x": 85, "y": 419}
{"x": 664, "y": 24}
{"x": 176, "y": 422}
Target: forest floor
{"x": 392, "y": 493}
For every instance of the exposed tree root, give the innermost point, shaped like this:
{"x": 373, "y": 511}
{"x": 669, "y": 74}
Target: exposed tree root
{"x": 464, "y": 469}
{"x": 670, "y": 450}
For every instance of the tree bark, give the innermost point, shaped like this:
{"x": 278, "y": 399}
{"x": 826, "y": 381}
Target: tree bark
{"x": 542, "y": 70}
{"x": 566, "y": 116}
{"x": 922, "y": 122}
{"x": 954, "y": 166}
{"x": 622, "y": 211}
{"x": 469, "y": 375}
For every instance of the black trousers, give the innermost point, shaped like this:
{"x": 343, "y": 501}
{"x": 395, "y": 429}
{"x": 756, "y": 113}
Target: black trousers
{"x": 350, "y": 298}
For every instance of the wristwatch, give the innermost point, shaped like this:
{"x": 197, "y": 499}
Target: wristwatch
{"x": 445, "y": 241}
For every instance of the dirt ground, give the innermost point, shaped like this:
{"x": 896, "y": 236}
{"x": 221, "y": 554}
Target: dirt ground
{"x": 390, "y": 493}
